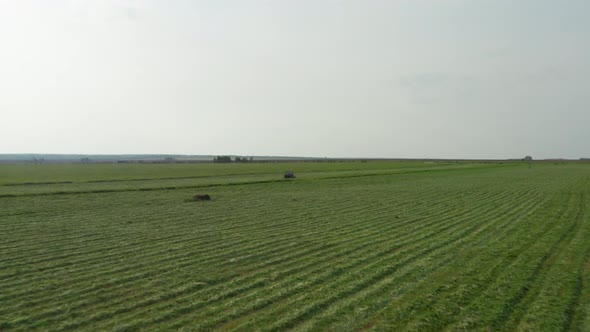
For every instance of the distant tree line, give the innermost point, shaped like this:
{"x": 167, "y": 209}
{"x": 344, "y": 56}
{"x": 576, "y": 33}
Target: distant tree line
{"x": 243, "y": 160}
{"x": 228, "y": 159}
{"x": 222, "y": 159}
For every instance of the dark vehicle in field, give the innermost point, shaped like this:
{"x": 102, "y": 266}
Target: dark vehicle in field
{"x": 289, "y": 175}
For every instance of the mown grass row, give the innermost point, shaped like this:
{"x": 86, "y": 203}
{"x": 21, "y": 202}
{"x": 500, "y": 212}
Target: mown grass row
{"x": 119, "y": 251}
{"x": 29, "y": 174}
{"x": 281, "y": 285}
{"x": 394, "y": 268}
{"x": 493, "y": 248}
{"x": 392, "y": 291}
{"x": 106, "y": 187}
{"x": 464, "y": 279}
{"x": 83, "y": 235}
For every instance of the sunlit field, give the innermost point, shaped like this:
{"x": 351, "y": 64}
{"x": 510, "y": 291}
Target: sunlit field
{"x": 344, "y": 246}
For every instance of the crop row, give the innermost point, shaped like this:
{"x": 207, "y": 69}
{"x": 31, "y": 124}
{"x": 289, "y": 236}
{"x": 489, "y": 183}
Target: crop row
{"x": 499, "y": 249}
{"x": 174, "y": 260}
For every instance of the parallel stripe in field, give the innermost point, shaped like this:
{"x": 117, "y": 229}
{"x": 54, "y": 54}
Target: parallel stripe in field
{"x": 204, "y": 235}
{"x": 519, "y": 262}
{"x": 259, "y": 254}
{"x": 377, "y": 255}
{"x": 561, "y": 292}
{"x": 529, "y": 291}
{"x": 242, "y": 296}
{"x": 217, "y": 175}
{"x": 24, "y": 245}
{"x": 59, "y": 238}
{"x": 337, "y": 297}
{"x": 245, "y": 182}
{"x": 378, "y": 293}
{"x": 102, "y": 256}
{"x": 399, "y": 316}
{"x": 576, "y": 307}
{"x": 214, "y": 242}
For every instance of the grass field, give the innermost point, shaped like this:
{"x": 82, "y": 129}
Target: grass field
{"x": 346, "y": 246}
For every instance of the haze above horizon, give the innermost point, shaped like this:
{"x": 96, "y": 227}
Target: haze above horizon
{"x": 485, "y": 79}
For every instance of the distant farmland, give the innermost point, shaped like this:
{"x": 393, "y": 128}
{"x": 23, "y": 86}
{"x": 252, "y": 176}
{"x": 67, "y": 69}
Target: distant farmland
{"x": 344, "y": 246}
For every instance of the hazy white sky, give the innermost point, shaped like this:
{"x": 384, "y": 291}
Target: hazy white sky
{"x": 394, "y": 78}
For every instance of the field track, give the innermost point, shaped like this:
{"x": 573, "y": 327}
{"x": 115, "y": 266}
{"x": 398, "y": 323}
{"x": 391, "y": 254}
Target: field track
{"x": 345, "y": 246}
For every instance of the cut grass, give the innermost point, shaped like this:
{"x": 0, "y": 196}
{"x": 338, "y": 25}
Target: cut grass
{"x": 347, "y": 246}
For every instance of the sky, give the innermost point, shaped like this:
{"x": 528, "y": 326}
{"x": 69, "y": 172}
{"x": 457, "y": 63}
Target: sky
{"x": 323, "y": 78}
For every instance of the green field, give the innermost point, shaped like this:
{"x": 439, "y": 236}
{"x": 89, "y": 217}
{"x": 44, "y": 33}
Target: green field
{"x": 354, "y": 246}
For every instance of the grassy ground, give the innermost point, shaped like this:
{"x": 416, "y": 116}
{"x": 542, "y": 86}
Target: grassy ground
{"x": 345, "y": 246}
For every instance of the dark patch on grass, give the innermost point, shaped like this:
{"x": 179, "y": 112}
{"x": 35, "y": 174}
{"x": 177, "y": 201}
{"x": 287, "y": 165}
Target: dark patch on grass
{"x": 35, "y": 183}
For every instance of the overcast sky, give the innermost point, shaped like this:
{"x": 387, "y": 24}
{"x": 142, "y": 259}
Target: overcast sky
{"x": 394, "y": 78}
